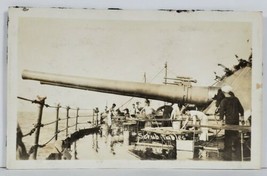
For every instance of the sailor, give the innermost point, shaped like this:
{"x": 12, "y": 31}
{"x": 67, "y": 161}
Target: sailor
{"x": 98, "y": 118}
{"x": 218, "y": 98}
{"x": 138, "y": 108}
{"x": 106, "y": 109}
{"x": 176, "y": 112}
{"x": 133, "y": 111}
{"x": 126, "y": 113}
{"x": 202, "y": 118}
{"x": 148, "y": 113}
{"x": 166, "y": 114}
{"x": 231, "y": 109}
{"x": 111, "y": 114}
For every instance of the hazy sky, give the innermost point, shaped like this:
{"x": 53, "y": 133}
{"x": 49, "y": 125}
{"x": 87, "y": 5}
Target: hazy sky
{"x": 123, "y": 50}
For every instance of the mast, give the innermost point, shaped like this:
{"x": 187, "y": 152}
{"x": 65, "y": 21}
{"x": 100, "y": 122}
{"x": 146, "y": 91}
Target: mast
{"x": 144, "y": 77}
{"x": 165, "y": 77}
{"x": 166, "y": 73}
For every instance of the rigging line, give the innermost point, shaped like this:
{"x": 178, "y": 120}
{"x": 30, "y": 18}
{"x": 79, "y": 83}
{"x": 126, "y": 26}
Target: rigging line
{"x": 30, "y": 133}
{"x": 63, "y": 118}
{"x": 171, "y": 71}
{"x": 43, "y": 145}
{"x": 126, "y": 102}
{"x": 49, "y": 106}
{"x": 73, "y": 108}
{"x": 68, "y": 107}
{"x": 49, "y": 123}
{"x": 71, "y": 117}
{"x": 86, "y": 116}
{"x": 149, "y": 81}
{"x": 32, "y": 101}
{"x": 83, "y": 109}
{"x": 71, "y": 126}
{"x": 157, "y": 74}
{"x": 26, "y": 99}
{"x": 62, "y": 130}
{"x": 36, "y": 101}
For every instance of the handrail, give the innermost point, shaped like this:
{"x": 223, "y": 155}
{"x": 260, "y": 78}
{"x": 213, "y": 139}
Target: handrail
{"x": 39, "y": 124}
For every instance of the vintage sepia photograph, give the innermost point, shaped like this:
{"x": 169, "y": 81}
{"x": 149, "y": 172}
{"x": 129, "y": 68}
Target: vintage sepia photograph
{"x": 134, "y": 89}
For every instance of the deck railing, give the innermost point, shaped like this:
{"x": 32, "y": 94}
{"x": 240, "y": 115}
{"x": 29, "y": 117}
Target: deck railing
{"x": 92, "y": 115}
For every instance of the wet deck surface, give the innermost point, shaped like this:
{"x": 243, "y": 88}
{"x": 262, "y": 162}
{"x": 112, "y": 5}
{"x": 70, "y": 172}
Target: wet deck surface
{"x": 94, "y": 147}
{"x": 118, "y": 147}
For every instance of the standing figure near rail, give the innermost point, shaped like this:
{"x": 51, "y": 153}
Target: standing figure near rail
{"x": 230, "y": 109}
{"x": 106, "y": 127}
{"x": 138, "y": 107}
{"x": 166, "y": 114}
{"x": 133, "y": 111}
{"x": 218, "y": 97}
{"x": 176, "y": 115}
{"x": 148, "y": 113}
{"x": 176, "y": 112}
{"x": 111, "y": 114}
{"x": 202, "y": 118}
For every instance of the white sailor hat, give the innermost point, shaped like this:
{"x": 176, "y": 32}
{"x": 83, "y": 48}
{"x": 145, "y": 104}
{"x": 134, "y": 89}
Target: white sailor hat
{"x": 227, "y": 89}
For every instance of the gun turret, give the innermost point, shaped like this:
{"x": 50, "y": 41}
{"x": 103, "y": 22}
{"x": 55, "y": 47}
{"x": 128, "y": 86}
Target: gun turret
{"x": 169, "y": 93}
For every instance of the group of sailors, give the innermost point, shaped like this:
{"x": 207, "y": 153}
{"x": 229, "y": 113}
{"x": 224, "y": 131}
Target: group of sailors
{"x": 229, "y": 110}
{"x": 170, "y": 112}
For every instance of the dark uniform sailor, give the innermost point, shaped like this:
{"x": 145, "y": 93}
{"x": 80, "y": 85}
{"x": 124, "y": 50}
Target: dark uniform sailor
{"x": 231, "y": 108}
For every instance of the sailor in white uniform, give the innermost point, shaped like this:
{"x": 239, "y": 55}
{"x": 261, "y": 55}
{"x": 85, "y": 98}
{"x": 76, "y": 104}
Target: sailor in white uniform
{"x": 203, "y": 118}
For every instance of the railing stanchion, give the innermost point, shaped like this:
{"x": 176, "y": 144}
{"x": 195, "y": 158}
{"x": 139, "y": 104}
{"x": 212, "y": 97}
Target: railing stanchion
{"x": 96, "y": 118}
{"x": 96, "y": 111}
{"x": 77, "y": 116}
{"x": 67, "y": 121}
{"x": 39, "y": 122}
{"x": 93, "y": 120}
{"x": 76, "y": 124}
{"x": 57, "y": 119}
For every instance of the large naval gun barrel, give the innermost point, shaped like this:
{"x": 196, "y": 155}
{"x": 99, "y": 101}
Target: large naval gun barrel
{"x": 169, "y": 93}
